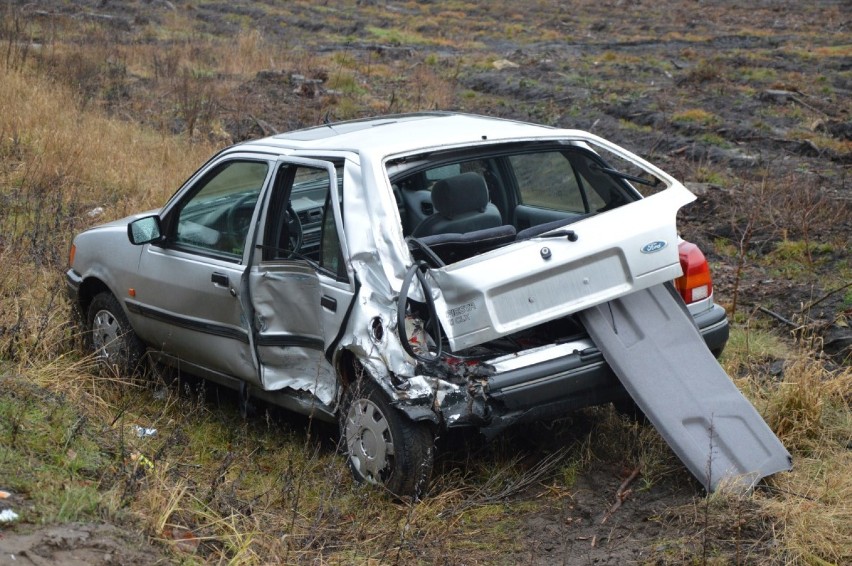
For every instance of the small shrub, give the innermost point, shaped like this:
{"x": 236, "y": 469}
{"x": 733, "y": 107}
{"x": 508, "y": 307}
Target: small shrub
{"x": 696, "y": 116}
{"x": 705, "y": 71}
{"x": 798, "y": 410}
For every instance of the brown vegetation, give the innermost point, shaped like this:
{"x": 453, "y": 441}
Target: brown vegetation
{"x": 105, "y": 107}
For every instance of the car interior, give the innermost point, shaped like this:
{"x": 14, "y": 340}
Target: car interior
{"x": 457, "y": 206}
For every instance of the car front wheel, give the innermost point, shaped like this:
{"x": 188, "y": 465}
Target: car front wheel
{"x": 383, "y": 446}
{"x": 111, "y": 337}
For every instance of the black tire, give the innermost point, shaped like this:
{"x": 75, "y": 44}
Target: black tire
{"x": 382, "y": 446}
{"x": 111, "y": 338}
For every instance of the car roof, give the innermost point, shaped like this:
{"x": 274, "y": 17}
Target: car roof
{"x": 405, "y": 132}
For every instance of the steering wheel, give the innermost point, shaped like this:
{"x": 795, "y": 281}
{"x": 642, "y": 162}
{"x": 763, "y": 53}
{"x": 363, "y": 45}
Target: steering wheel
{"x": 238, "y": 219}
{"x": 294, "y": 230}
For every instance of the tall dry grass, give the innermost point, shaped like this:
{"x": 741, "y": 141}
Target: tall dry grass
{"x": 811, "y": 411}
{"x": 61, "y": 170}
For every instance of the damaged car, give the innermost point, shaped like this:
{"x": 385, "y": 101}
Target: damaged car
{"x": 403, "y": 276}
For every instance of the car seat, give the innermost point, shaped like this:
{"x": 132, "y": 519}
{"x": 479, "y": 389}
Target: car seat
{"x": 461, "y": 205}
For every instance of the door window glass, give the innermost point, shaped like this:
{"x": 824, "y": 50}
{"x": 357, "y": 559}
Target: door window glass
{"x": 302, "y": 227}
{"x": 331, "y": 252}
{"x": 217, "y": 218}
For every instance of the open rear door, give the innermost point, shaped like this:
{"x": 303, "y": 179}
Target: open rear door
{"x": 297, "y": 305}
{"x": 654, "y": 348}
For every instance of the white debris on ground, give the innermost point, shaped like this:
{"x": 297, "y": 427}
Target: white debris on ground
{"x": 143, "y": 432}
{"x": 502, "y": 64}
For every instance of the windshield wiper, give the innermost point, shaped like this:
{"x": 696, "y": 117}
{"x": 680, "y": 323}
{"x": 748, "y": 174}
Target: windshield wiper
{"x": 570, "y": 234}
{"x": 627, "y": 176}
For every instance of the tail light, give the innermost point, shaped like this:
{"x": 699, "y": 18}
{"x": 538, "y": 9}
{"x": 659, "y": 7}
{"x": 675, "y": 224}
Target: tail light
{"x": 695, "y": 284}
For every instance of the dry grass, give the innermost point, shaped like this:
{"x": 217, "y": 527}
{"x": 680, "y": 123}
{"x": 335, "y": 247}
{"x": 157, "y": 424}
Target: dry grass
{"x": 811, "y": 411}
{"x": 62, "y": 170}
{"x": 210, "y": 485}
{"x": 49, "y": 146}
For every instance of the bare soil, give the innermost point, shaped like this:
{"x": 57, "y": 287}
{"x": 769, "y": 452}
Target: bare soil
{"x": 76, "y": 544}
{"x": 773, "y": 85}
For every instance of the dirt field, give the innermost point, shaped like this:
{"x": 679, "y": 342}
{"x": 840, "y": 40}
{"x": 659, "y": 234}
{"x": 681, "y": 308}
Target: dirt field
{"x": 751, "y": 107}
{"x": 726, "y": 98}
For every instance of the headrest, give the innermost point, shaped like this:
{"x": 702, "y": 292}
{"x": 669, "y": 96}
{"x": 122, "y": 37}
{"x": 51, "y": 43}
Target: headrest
{"x": 458, "y": 195}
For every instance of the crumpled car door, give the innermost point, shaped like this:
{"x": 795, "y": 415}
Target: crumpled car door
{"x": 288, "y": 321}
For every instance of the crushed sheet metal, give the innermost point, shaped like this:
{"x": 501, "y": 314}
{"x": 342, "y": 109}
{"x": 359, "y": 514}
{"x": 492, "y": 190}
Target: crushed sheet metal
{"x": 381, "y": 357}
{"x": 300, "y": 369}
{"x": 377, "y": 248}
{"x": 281, "y": 288}
{"x": 652, "y": 344}
{"x": 287, "y": 361}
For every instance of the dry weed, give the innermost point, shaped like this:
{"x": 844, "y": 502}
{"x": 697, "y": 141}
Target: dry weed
{"x": 811, "y": 411}
{"x": 64, "y": 169}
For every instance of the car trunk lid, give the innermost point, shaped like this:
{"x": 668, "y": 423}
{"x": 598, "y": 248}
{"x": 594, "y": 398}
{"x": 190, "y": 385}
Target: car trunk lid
{"x": 544, "y": 278}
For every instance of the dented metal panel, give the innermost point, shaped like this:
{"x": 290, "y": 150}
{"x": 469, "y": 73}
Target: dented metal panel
{"x": 652, "y": 344}
{"x": 288, "y": 329}
{"x": 291, "y": 288}
{"x": 531, "y": 282}
{"x": 288, "y": 320}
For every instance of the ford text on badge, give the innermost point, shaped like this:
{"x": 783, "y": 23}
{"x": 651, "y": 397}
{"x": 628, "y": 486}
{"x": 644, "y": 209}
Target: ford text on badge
{"x": 654, "y": 247}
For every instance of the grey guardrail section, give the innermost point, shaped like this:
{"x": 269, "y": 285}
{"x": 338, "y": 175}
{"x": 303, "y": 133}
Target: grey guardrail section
{"x": 654, "y": 348}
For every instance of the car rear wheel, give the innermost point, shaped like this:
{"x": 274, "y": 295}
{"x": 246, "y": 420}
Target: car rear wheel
{"x": 383, "y": 446}
{"x": 110, "y": 336}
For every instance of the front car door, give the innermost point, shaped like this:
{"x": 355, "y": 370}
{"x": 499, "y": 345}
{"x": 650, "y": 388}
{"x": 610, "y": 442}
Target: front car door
{"x": 187, "y": 294}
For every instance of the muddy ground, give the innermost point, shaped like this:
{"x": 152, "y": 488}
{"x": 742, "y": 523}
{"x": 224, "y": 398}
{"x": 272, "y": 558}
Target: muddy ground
{"x": 729, "y": 99}
{"x": 76, "y": 544}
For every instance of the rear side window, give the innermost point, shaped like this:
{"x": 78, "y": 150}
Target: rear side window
{"x": 530, "y": 184}
{"x": 549, "y": 180}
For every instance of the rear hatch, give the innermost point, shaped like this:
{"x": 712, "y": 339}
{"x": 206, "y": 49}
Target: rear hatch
{"x": 554, "y": 274}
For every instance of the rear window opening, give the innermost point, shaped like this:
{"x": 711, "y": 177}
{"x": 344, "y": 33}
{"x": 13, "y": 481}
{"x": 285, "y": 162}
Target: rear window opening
{"x": 463, "y": 204}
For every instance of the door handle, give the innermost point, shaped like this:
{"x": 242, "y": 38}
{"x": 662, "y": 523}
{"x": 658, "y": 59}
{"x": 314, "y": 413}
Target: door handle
{"x": 221, "y": 280}
{"x": 329, "y": 302}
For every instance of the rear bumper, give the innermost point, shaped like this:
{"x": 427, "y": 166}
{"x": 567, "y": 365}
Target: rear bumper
{"x": 582, "y": 379}
{"x": 714, "y": 328}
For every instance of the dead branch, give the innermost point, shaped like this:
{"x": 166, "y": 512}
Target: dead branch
{"x": 812, "y": 304}
{"x": 621, "y": 494}
{"x": 267, "y": 128}
{"x": 497, "y": 489}
{"x": 801, "y": 102}
{"x": 778, "y": 317}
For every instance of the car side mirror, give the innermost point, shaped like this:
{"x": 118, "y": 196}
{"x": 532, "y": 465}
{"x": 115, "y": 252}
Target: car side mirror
{"x": 144, "y": 230}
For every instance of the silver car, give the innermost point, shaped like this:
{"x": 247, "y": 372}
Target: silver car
{"x": 401, "y": 276}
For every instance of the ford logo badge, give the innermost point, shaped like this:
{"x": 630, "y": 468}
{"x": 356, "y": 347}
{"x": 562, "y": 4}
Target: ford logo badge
{"x": 654, "y": 246}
